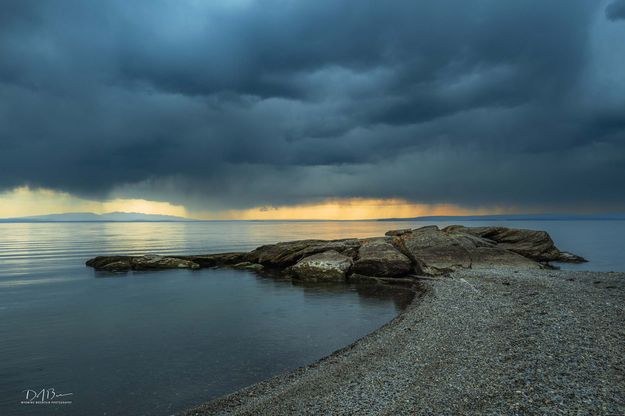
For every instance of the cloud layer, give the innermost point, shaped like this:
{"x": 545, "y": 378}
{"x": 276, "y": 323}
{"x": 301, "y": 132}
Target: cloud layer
{"x": 616, "y": 10}
{"x": 234, "y": 104}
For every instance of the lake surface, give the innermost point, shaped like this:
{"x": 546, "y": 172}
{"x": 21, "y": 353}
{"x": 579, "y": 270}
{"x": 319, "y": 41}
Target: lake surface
{"x": 158, "y": 342}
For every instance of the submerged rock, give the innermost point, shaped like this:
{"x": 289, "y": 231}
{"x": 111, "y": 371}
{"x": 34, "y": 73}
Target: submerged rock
{"x": 329, "y": 266}
{"x": 378, "y": 257}
{"x": 147, "y": 262}
{"x": 216, "y": 260}
{"x": 246, "y": 265}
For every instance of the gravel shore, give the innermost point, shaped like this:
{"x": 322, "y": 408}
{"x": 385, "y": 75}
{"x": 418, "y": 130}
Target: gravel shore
{"x": 483, "y": 343}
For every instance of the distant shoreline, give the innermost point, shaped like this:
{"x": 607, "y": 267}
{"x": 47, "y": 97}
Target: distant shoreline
{"x": 519, "y": 218}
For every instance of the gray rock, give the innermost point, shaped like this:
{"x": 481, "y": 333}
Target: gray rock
{"x": 439, "y": 260}
{"x": 378, "y": 257}
{"x": 536, "y": 245}
{"x": 110, "y": 263}
{"x": 426, "y": 251}
{"x": 330, "y": 266}
{"x": 116, "y": 266}
{"x": 435, "y": 252}
{"x": 567, "y": 257}
{"x": 286, "y": 254}
{"x": 147, "y": 262}
{"x": 216, "y": 260}
{"x": 494, "y": 258}
{"x": 396, "y": 233}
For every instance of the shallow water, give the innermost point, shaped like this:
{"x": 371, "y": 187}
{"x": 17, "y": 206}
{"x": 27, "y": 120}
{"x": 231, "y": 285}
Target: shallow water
{"x": 155, "y": 343}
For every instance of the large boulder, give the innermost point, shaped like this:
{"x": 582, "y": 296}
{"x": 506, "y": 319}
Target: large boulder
{"x": 432, "y": 236}
{"x": 378, "y": 257}
{"x": 329, "y": 266}
{"x": 435, "y": 252}
{"x": 286, "y": 254}
{"x": 439, "y": 260}
{"x": 536, "y": 245}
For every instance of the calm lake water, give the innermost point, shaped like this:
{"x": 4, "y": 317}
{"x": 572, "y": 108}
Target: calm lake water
{"x": 156, "y": 343}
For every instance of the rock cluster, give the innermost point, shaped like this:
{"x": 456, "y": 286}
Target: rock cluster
{"x": 422, "y": 251}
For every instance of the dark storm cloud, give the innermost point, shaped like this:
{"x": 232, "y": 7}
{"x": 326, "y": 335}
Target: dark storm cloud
{"x": 245, "y": 103}
{"x": 616, "y": 10}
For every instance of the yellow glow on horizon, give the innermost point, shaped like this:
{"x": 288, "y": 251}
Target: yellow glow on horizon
{"x": 355, "y": 209}
{"x": 144, "y": 207}
{"x": 23, "y": 201}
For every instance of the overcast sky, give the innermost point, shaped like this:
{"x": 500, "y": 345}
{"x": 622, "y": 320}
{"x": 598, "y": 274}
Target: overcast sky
{"x": 242, "y": 103}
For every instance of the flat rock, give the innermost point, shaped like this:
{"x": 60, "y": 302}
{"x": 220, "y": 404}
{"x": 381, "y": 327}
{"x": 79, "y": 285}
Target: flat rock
{"x": 536, "y": 245}
{"x": 147, "y": 262}
{"x": 110, "y": 263}
{"x": 436, "y": 252}
{"x": 216, "y": 260}
{"x": 494, "y": 258}
{"x": 116, "y": 266}
{"x": 286, "y": 254}
{"x": 439, "y": 260}
{"x": 329, "y": 266}
{"x": 378, "y": 257}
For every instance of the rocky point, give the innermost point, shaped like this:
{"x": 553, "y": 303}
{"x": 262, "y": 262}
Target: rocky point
{"x": 425, "y": 251}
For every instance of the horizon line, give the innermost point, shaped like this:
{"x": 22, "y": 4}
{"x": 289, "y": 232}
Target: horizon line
{"x": 484, "y": 217}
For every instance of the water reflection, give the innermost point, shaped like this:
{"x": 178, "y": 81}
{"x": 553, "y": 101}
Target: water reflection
{"x": 32, "y": 248}
{"x": 368, "y": 293}
{"x": 156, "y": 342}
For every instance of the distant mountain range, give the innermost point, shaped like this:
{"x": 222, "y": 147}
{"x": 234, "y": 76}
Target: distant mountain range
{"x": 137, "y": 217}
{"x": 91, "y": 217}
{"x": 515, "y": 217}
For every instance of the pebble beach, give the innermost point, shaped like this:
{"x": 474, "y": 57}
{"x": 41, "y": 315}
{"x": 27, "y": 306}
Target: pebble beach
{"x": 476, "y": 342}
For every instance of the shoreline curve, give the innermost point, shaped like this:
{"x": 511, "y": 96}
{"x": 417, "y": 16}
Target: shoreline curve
{"x": 477, "y": 342}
